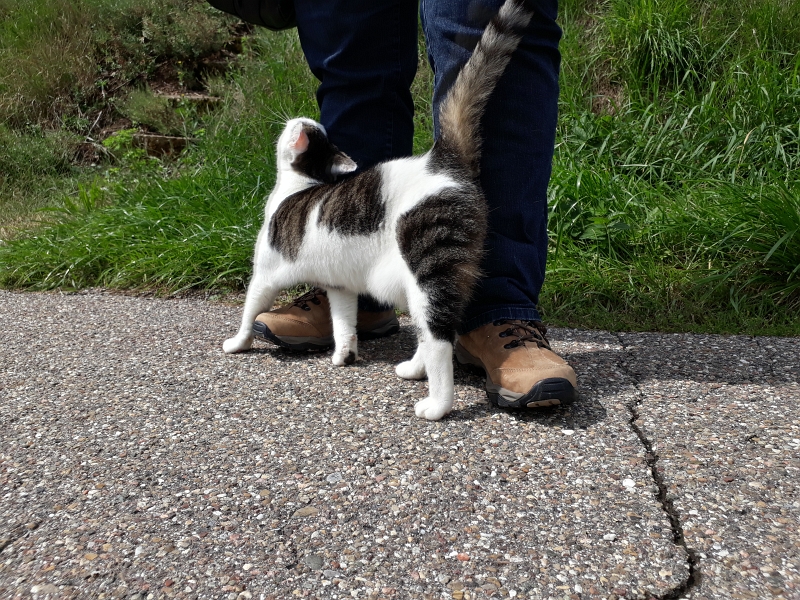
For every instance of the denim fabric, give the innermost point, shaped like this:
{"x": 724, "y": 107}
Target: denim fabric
{"x": 518, "y": 141}
{"x": 364, "y": 53}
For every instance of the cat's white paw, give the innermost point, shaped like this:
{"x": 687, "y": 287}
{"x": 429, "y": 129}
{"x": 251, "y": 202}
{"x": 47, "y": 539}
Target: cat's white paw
{"x": 237, "y": 344}
{"x": 410, "y": 370}
{"x": 347, "y": 353}
{"x": 341, "y": 359}
{"x": 432, "y": 409}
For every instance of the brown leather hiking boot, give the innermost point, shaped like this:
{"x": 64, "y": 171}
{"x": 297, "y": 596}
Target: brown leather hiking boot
{"x": 305, "y": 324}
{"x": 521, "y": 369}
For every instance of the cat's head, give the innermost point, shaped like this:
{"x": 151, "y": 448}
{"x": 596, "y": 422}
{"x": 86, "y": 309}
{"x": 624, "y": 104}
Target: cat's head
{"x": 304, "y": 148}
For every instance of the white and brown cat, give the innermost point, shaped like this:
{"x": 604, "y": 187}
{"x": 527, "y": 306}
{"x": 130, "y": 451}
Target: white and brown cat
{"x": 408, "y": 232}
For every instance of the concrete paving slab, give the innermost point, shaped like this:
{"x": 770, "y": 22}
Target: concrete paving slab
{"x": 723, "y": 421}
{"x": 137, "y": 460}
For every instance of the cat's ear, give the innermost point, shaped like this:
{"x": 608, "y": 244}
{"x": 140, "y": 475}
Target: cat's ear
{"x": 298, "y": 142}
{"x": 342, "y": 164}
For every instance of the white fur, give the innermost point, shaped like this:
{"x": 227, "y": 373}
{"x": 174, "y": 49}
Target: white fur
{"x": 358, "y": 264}
{"x": 407, "y": 181}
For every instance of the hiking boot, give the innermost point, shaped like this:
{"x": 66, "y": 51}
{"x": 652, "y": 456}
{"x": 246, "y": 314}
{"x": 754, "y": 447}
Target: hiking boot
{"x": 305, "y": 324}
{"x": 520, "y": 367}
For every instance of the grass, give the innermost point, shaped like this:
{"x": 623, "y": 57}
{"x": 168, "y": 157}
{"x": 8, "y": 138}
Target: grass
{"x": 58, "y": 58}
{"x": 63, "y": 66}
{"x": 676, "y": 183}
{"x": 674, "y": 201}
{"x": 180, "y": 226}
{"x": 35, "y": 168}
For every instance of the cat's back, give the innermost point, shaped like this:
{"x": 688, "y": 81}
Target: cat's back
{"x": 406, "y": 183}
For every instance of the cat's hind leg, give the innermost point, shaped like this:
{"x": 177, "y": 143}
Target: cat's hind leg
{"x": 436, "y": 310}
{"x": 261, "y": 295}
{"x": 436, "y": 336}
{"x": 344, "y": 314}
{"x": 438, "y": 360}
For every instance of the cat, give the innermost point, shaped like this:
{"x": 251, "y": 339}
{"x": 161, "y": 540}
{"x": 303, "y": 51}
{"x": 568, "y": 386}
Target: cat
{"x": 409, "y": 232}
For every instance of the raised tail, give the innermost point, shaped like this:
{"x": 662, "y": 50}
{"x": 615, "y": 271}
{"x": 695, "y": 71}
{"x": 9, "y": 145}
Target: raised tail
{"x": 461, "y": 111}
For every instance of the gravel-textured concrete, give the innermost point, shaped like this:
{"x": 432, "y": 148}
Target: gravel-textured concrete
{"x": 137, "y": 460}
{"x": 723, "y": 415}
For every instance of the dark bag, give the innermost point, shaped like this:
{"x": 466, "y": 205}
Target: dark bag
{"x": 272, "y": 14}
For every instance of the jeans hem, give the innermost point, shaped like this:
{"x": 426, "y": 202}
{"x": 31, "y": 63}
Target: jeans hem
{"x": 509, "y": 312}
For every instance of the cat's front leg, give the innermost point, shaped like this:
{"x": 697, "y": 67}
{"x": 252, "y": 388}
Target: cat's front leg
{"x": 344, "y": 313}
{"x": 414, "y": 368}
{"x": 260, "y": 297}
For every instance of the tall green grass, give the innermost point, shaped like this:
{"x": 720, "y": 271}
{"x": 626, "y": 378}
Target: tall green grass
{"x": 59, "y": 57}
{"x": 192, "y": 225}
{"x": 676, "y": 183}
{"x": 35, "y": 171}
{"x": 63, "y": 66}
{"x": 674, "y": 201}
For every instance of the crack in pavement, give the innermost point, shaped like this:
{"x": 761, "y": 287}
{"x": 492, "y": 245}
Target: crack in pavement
{"x": 667, "y": 505}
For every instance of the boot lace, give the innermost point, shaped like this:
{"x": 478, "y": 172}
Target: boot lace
{"x": 524, "y": 331}
{"x": 311, "y": 296}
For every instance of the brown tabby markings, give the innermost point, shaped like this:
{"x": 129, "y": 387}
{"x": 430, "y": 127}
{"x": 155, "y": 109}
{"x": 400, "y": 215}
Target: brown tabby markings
{"x": 441, "y": 240}
{"x": 351, "y": 207}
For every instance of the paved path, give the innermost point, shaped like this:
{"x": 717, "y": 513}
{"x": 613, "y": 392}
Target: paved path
{"x": 138, "y": 461}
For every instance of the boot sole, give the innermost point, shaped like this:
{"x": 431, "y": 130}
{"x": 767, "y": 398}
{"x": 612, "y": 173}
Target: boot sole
{"x": 303, "y": 344}
{"x": 553, "y": 391}
{"x": 385, "y": 330}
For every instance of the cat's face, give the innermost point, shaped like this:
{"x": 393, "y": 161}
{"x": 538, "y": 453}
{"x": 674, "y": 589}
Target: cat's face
{"x": 304, "y": 148}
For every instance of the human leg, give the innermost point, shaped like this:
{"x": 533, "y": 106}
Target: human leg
{"x": 501, "y": 330}
{"x": 518, "y": 132}
{"x": 364, "y": 53}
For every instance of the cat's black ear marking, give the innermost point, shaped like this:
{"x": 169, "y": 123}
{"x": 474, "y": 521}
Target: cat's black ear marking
{"x": 312, "y": 155}
{"x": 342, "y": 165}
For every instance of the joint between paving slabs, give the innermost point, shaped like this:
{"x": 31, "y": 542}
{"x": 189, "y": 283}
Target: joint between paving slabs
{"x": 667, "y": 505}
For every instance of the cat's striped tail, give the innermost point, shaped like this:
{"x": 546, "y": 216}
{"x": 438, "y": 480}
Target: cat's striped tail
{"x": 461, "y": 111}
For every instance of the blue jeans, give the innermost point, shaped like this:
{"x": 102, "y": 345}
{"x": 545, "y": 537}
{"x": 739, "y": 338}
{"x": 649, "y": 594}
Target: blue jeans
{"x": 364, "y": 53}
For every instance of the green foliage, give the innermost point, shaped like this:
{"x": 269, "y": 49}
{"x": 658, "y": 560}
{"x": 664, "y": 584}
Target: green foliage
{"x": 59, "y": 57}
{"x": 760, "y": 247}
{"x": 659, "y": 42}
{"x": 194, "y": 229}
{"x": 35, "y": 166}
{"x": 672, "y": 44}
{"x": 121, "y": 145}
{"x": 191, "y": 235}
{"x": 153, "y": 112}
{"x": 42, "y": 59}
{"x": 121, "y": 140}
{"x": 674, "y": 200}
{"x": 32, "y": 154}
{"x": 676, "y": 205}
